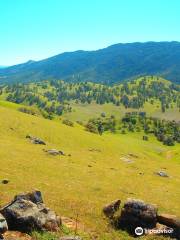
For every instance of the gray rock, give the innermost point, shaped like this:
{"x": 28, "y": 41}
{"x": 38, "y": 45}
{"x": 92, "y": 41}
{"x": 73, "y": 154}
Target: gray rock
{"x": 110, "y": 209}
{"x": 54, "y": 152}
{"x": 162, "y": 174}
{"x": 3, "y": 224}
{"x": 137, "y": 213}
{"x": 36, "y": 140}
{"x": 25, "y": 216}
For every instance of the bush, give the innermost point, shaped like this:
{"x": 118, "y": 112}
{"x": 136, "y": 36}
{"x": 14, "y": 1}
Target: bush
{"x": 80, "y": 123}
{"x": 27, "y": 110}
{"x": 68, "y": 122}
{"x": 168, "y": 141}
{"x": 90, "y": 127}
{"x": 123, "y": 132}
{"x": 145, "y": 138}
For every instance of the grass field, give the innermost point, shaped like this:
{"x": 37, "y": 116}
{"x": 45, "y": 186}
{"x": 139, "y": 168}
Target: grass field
{"x": 83, "y": 112}
{"x": 92, "y": 176}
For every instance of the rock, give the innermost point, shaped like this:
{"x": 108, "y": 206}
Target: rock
{"x": 25, "y": 215}
{"x": 137, "y": 213}
{"x": 169, "y": 220}
{"x": 54, "y": 152}
{"x": 35, "y": 197}
{"x": 70, "y": 238}
{"x": 162, "y": 174}
{"x": 36, "y": 140}
{"x": 110, "y": 209}
{"x": 12, "y": 235}
{"x": 5, "y": 181}
{"x": 3, "y": 224}
{"x": 126, "y": 160}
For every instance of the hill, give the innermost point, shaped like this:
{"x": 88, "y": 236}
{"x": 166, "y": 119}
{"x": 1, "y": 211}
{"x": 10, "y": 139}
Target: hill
{"x": 146, "y": 105}
{"x": 75, "y": 184}
{"x": 152, "y": 94}
{"x": 109, "y": 65}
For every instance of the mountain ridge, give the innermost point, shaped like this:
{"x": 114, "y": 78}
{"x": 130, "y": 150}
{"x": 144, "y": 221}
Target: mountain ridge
{"x": 110, "y": 65}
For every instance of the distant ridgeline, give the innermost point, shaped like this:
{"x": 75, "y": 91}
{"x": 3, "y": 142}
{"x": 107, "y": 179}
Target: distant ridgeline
{"x": 54, "y": 97}
{"x": 110, "y": 65}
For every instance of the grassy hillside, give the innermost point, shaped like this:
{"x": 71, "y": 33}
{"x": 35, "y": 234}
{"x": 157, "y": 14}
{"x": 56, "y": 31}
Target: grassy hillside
{"x": 92, "y": 176}
{"x": 83, "y": 112}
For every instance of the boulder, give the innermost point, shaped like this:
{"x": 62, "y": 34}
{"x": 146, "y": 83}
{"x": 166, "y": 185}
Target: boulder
{"x": 137, "y": 213}
{"x": 54, "y": 152}
{"x": 3, "y": 224}
{"x": 110, "y": 209}
{"x": 36, "y": 140}
{"x": 27, "y": 213}
{"x": 169, "y": 220}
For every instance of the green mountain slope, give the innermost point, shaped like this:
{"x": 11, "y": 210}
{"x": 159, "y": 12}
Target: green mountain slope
{"x": 110, "y": 65}
{"x": 92, "y": 175}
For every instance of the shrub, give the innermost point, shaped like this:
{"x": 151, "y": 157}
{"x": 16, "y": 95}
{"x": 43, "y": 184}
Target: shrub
{"x": 90, "y": 127}
{"x": 27, "y": 110}
{"x": 68, "y": 122}
{"x": 123, "y": 132}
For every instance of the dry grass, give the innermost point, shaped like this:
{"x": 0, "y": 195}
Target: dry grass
{"x": 92, "y": 176}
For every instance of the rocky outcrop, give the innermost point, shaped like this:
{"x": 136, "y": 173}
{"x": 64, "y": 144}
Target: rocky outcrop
{"x": 110, "y": 209}
{"x": 27, "y": 213}
{"x": 36, "y": 140}
{"x": 137, "y": 213}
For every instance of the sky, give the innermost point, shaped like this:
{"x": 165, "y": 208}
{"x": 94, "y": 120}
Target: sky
{"x": 38, "y": 29}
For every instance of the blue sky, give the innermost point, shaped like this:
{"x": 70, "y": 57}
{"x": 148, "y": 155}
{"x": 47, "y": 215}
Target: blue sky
{"x": 37, "y": 29}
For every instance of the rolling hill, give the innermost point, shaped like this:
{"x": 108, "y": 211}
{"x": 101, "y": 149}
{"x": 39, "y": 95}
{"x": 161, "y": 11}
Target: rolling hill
{"x": 76, "y": 183}
{"x": 109, "y": 65}
{"x": 82, "y": 101}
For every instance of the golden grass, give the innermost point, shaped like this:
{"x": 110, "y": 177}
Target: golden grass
{"x": 92, "y": 176}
